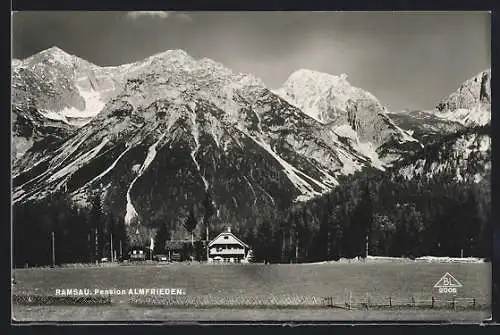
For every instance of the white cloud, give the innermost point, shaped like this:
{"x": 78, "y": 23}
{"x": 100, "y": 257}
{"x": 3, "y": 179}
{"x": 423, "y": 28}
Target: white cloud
{"x": 160, "y": 15}
{"x": 152, "y": 14}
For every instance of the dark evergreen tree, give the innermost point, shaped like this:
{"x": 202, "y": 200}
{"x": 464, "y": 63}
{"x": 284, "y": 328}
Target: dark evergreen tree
{"x": 190, "y": 224}
{"x": 210, "y": 210}
{"x": 96, "y": 225}
{"x": 264, "y": 242}
{"x": 162, "y": 235}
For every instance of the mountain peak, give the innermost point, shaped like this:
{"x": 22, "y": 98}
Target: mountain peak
{"x": 173, "y": 56}
{"x": 307, "y": 75}
{"x": 204, "y": 72}
{"x": 470, "y": 104}
{"x": 55, "y": 51}
{"x": 172, "y": 53}
{"x": 308, "y": 83}
{"x": 54, "y": 54}
{"x": 321, "y": 95}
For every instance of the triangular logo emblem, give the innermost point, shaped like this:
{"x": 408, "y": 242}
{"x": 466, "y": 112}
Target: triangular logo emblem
{"x": 448, "y": 281}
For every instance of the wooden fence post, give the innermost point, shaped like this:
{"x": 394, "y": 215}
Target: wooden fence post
{"x": 413, "y": 301}
{"x": 453, "y": 302}
{"x": 432, "y": 304}
{"x": 474, "y": 303}
{"x": 350, "y": 297}
{"x": 390, "y": 302}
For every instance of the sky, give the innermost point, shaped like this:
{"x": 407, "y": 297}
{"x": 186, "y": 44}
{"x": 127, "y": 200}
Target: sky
{"x": 408, "y": 60}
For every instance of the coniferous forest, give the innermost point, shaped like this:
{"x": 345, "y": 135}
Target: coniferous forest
{"x": 379, "y": 213}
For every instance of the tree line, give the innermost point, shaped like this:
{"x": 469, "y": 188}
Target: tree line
{"x": 411, "y": 218}
{"x": 374, "y": 213}
{"x": 379, "y": 216}
{"x": 81, "y": 234}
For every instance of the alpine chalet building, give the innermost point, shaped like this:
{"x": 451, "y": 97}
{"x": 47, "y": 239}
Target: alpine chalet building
{"x": 227, "y": 248}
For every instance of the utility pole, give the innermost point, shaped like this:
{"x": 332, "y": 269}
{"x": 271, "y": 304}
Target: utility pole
{"x": 111, "y": 247}
{"x": 89, "y": 246}
{"x": 151, "y": 241}
{"x": 283, "y": 246}
{"x": 296, "y": 247}
{"x": 96, "y": 247}
{"x": 207, "y": 239}
{"x": 366, "y": 246}
{"x": 53, "y": 250}
{"x": 328, "y": 245}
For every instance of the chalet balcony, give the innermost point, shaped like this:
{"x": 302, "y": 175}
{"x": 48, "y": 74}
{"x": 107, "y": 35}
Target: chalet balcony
{"x": 233, "y": 251}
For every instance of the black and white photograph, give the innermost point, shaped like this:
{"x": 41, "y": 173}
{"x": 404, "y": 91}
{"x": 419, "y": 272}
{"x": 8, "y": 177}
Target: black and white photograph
{"x": 251, "y": 166}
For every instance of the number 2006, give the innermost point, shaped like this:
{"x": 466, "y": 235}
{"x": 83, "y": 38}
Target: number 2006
{"x": 447, "y": 290}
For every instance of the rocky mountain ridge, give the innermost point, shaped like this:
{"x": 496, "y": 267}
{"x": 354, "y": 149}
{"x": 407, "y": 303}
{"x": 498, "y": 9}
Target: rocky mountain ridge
{"x": 348, "y": 110}
{"x": 181, "y": 128}
{"x": 156, "y": 137}
{"x": 468, "y": 106}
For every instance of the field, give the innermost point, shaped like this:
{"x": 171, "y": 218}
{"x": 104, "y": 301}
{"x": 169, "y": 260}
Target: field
{"x": 376, "y": 281}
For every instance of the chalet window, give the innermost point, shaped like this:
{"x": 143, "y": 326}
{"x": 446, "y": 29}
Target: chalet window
{"x": 134, "y": 252}
{"x": 140, "y": 252}
{"x": 225, "y": 237}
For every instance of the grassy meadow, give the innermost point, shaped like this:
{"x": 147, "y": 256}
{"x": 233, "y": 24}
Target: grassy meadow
{"x": 400, "y": 281}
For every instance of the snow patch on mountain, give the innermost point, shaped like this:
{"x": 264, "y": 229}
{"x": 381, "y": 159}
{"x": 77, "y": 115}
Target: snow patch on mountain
{"x": 81, "y": 160}
{"x": 53, "y": 115}
{"x": 346, "y": 130}
{"x": 467, "y": 117}
{"x": 110, "y": 168}
{"x": 151, "y": 155}
{"x": 196, "y": 135}
{"x": 266, "y": 193}
{"x": 130, "y": 211}
{"x": 253, "y": 190}
{"x": 93, "y": 105}
{"x": 405, "y": 136}
{"x": 56, "y": 162}
{"x": 294, "y": 174}
{"x": 365, "y": 148}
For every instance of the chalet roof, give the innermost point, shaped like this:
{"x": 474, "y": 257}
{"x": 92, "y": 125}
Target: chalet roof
{"x": 226, "y": 233}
